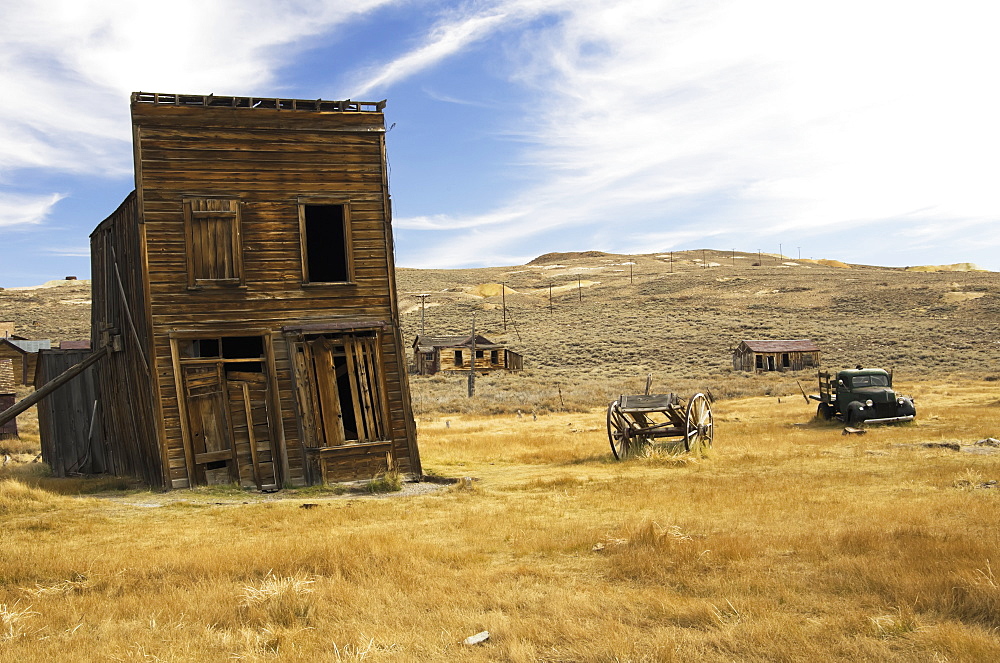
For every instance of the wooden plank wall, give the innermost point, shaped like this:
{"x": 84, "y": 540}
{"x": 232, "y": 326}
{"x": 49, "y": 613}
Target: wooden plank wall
{"x": 266, "y": 159}
{"x": 129, "y": 411}
{"x": 71, "y": 441}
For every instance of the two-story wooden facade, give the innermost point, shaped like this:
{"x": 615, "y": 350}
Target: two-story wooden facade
{"x": 247, "y": 286}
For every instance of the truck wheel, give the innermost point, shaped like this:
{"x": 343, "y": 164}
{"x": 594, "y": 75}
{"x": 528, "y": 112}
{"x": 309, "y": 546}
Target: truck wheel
{"x": 854, "y": 415}
{"x": 824, "y": 412}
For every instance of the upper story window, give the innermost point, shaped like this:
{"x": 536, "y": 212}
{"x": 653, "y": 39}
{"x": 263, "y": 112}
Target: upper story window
{"x": 214, "y": 244}
{"x": 325, "y": 234}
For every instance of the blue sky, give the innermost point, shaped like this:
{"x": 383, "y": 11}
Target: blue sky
{"x": 863, "y": 131}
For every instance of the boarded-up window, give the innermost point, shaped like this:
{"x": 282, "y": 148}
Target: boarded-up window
{"x": 325, "y": 233}
{"x": 342, "y": 397}
{"x": 214, "y": 246}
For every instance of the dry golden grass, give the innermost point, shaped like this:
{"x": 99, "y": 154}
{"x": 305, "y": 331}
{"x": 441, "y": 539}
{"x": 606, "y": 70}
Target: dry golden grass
{"x": 789, "y": 542}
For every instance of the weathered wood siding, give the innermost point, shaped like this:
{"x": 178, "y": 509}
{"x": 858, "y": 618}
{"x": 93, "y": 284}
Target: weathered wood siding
{"x": 265, "y": 160}
{"x": 118, "y": 317}
{"x": 68, "y": 421}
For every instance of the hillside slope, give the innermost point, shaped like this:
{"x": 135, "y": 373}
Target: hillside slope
{"x": 615, "y": 316}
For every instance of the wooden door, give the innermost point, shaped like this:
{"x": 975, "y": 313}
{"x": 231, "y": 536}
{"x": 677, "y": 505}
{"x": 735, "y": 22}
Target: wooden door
{"x": 251, "y": 433}
{"x": 208, "y": 424}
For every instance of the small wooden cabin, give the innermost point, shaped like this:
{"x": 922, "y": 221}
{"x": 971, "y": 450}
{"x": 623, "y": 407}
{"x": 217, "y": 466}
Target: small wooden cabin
{"x": 787, "y": 355}
{"x": 247, "y": 289}
{"x": 432, "y": 354}
{"x": 8, "y": 393}
{"x": 24, "y": 356}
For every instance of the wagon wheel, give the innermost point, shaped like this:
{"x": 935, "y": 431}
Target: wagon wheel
{"x": 619, "y": 431}
{"x": 698, "y": 424}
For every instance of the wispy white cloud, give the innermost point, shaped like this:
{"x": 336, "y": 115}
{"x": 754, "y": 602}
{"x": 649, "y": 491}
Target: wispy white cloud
{"x": 751, "y": 120}
{"x": 26, "y": 210}
{"x": 67, "y": 67}
{"x": 446, "y": 40}
{"x": 69, "y": 252}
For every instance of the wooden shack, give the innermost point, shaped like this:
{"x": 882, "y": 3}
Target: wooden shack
{"x": 247, "y": 287}
{"x": 8, "y": 394}
{"x": 68, "y": 419}
{"x": 24, "y": 356}
{"x": 782, "y": 355}
{"x": 432, "y": 354}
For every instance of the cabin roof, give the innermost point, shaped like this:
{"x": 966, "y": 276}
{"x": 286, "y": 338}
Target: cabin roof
{"x": 250, "y": 103}
{"x": 75, "y": 345}
{"x": 428, "y": 343}
{"x": 28, "y": 346}
{"x": 792, "y": 345}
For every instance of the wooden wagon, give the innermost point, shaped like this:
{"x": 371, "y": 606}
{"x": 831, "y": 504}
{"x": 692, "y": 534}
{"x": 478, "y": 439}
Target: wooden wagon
{"x": 636, "y": 421}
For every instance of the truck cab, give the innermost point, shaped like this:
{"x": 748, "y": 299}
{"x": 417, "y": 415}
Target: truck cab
{"x": 862, "y": 395}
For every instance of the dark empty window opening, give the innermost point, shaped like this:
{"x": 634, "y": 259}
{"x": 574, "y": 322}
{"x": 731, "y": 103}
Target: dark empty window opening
{"x": 494, "y": 356}
{"x": 202, "y": 347}
{"x": 242, "y": 347}
{"x": 326, "y": 244}
{"x": 458, "y": 357}
{"x": 479, "y": 354}
{"x": 227, "y": 347}
{"x": 216, "y": 464}
{"x": 785, "y": 361}
{"x": 760, "y": 361}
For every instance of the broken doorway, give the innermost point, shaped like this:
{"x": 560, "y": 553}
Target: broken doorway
{"x": 225, "y": 394}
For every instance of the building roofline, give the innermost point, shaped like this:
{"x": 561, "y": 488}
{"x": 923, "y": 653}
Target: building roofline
{"x": 249, "y": 103}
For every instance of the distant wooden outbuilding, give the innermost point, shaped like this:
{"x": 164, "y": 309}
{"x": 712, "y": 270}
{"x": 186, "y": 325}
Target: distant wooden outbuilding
{"x": 8, "y": 393}
{"x": 23, "y": 355}
{"x": 782, "y": 355}
{"x": 432, "y": 354}
{"x": 244, "y": 301}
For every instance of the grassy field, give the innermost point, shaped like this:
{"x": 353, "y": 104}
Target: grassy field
{"x": 789, "y": 542}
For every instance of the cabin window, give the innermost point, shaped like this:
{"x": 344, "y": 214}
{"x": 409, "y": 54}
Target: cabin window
{"x": 458, "y": 357}
{"x": 479, "y": 354}
{"x": 325, "y": 233}
{"x": 807, "y": 360}
{"x": 494, "y": 356}
{"x": 785, "y": 360}
{"x": 214, "y": 245}
{"x": 760, "y": 361}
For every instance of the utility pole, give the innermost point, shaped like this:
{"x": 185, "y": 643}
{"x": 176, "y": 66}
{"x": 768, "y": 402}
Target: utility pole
{"x": 472, "y": 360}
{"x": 579, "y": 288}
{"x": 423, "y": 304}
{"x": 503, "y": 300}
{"x": 800, "y": 253}
{"x": 704, "y": 263}
{"x": 734, "y": 258}
{"x": 780, "y": 255}
{"x": 550, "y": 298}
{"x": 671, "y": 262}
{"x": 630, "y": 263}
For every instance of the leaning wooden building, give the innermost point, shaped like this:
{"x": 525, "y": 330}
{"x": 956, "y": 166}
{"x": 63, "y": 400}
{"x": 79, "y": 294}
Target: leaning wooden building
{"x": 247, "y": 290}
{"x": 780, "y": 355}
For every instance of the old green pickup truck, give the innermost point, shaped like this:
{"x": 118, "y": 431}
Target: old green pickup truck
{"x": 862, "y": 396}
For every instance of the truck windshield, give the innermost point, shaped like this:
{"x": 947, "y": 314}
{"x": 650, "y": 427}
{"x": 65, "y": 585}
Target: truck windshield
{"x": 870, "y": 381}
